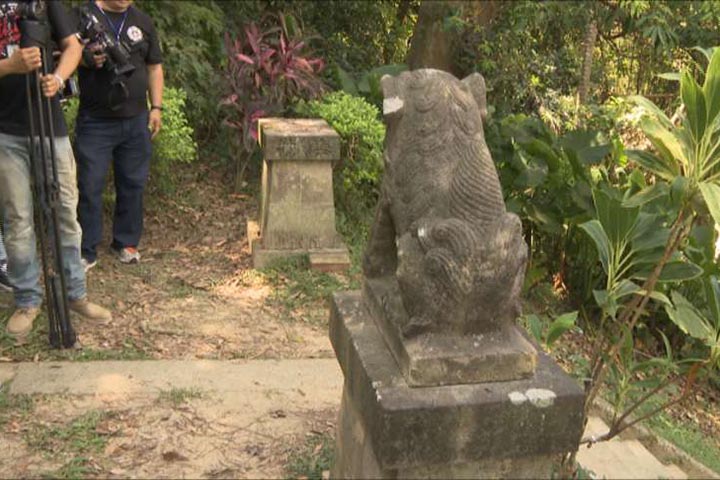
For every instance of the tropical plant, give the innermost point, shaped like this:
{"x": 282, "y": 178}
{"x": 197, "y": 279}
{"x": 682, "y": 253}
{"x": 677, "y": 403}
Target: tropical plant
{"x": 640, "y": 234}
{"x": 267, "y": 69}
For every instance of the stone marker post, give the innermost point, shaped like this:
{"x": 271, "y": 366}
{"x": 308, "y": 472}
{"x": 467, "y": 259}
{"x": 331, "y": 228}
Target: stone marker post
{"x": 297, "y": 212}
{"x": 439, "y": 380}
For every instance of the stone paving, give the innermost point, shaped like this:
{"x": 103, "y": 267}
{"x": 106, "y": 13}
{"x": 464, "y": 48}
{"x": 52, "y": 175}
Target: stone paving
{"x": 312, "y": 384}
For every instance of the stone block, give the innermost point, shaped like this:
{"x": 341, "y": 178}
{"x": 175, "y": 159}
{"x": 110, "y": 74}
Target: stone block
{"x": 297, "y": 210}
{"x": 447, "y": 358}
{"x": 516, "y": 428}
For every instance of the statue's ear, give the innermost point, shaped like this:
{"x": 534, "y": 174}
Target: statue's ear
{"x": 392, "y": 103}
{"x": 476, "y": 84}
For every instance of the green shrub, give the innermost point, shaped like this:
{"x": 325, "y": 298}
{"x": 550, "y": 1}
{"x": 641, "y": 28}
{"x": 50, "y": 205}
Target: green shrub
{"x": 358, "y": 173}
{"x": 174, "y": 144}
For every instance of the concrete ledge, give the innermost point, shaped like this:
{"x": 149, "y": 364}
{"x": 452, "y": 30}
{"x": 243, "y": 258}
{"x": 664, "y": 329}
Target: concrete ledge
{"x": 458, "y": 424}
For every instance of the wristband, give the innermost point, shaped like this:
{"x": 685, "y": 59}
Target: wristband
{"x": 156, "y": 107}
{"x": 60, "y": 81}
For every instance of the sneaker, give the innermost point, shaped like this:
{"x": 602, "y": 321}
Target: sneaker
{"x": 128, "y": 255}
{"x": 89, "y": 310}
{"x": 87, "y": 265}
{"x": 21, "y": 321}
{"x": 4, "y": 280}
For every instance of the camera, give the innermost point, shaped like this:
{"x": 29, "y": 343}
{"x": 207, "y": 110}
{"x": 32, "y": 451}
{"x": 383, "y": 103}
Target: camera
{"x": 32, "y": 10}
{"x": 95, "y": 34}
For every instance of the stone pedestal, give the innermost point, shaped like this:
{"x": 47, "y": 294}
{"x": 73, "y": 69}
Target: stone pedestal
{"x": 389, "y": 429}
{"x": 297, "y": 212}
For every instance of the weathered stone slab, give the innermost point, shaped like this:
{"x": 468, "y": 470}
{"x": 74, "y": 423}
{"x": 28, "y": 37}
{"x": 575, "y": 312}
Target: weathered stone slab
{"x": 447, "y": 358}
{"x": 443, "y": 428}
{"x": 297, "y": 210}
{"x": 298, "y": 139}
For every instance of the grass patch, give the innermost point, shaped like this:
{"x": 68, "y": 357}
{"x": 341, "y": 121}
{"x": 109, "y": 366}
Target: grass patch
{"x": 312, "y": 459}
{"x": 179, "y": 396}
{"x": 14, "y": 405}
{"x": 78, "y": 437}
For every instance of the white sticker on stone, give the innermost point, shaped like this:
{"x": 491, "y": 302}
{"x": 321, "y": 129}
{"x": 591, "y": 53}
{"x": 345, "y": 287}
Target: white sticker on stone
{"x": 392, "y": 105}
{"x": 516, "y": 398}
{"x": 541, "y": 397}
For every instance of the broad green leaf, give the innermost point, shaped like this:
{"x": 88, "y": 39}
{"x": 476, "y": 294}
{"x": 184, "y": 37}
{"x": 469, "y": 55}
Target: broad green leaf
{"x": 711, "y": 87}
{"x": 688, "y": 318}
{"x": 595, "y": 230}
{"x": 676, "y": 271}
{"x": 542, "y": 150}
{"x": 625, "y": 287}
{"x": 535, "y": 326}
{"x": 694, "y": 100}
{"x": 649, "y": 235}
{"x": 544, "y": 219}
{"x": 651, "y": 109}
{"x": 617, "y": 221}
{"x": 665, "y": 141}
{"x": 646, "y": 195}
{"x": 655, "y": 164}
{"x": 559, "y": 326}
{"x": 711, "y": 194}
{"x": 347, "y": 83}
{"x": 659, "y": 296}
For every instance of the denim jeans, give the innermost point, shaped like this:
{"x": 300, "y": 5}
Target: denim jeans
{"x": 16, "y": 203}
{"x": 124, "y": 143}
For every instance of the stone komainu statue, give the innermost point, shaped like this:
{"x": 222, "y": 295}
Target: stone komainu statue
{"x": 441, "y": 227}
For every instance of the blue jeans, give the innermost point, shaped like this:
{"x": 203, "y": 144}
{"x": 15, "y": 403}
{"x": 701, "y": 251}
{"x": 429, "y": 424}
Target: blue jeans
{"x": 16, "y": 203}
{"x": 124, "y": 143}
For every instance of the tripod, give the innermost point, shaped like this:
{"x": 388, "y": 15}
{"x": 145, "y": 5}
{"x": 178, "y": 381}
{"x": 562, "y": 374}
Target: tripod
{"x": 46, "y": 187}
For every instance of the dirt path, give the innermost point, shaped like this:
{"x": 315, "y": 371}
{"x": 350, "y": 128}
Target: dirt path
{"x": 194, "y": 295}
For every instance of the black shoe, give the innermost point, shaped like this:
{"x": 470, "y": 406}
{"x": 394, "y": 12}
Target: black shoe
{"x": 4, "y": 280}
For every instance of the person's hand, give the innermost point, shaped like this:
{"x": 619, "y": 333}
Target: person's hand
{"x": 25, "y": 60}
{"x": 99, "y": 59}
{"x": 155, "y": 122}
{"x": 50, "y": 85}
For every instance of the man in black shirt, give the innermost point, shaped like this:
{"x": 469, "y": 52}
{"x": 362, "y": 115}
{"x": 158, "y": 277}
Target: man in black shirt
{"x": 114, "y": 126}
{"x": 16, "y": 199}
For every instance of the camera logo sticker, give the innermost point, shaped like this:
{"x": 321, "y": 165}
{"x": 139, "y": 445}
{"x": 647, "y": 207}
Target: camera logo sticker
{"x": 134, "y": 34}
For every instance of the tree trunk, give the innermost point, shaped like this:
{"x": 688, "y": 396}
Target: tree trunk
{"x": 431, "y": 44}
{"x": 588, "y": 47}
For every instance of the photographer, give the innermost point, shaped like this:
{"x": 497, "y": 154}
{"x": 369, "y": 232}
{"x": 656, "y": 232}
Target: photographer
{"x": 114, "y": 125}
{"x": 16, "y": 197}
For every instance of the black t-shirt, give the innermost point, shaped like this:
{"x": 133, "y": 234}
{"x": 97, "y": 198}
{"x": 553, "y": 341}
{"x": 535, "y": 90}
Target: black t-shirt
{"x": 137, "y": 32}
{"x": 13, "y": 97}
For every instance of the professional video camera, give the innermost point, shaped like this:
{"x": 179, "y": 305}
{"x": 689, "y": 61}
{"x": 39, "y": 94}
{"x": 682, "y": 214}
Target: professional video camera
{"x": 92, "y": 30}
{"x": 33, "y": 10}
{"x": 96, "y": 37}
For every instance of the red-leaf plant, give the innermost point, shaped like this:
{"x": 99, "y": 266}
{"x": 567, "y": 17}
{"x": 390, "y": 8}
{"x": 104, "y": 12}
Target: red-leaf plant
{"x": 266, "y": 69}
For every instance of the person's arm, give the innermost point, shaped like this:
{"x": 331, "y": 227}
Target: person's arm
{"x": 156, "y": 84}
{"x": 69, "y": 60}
